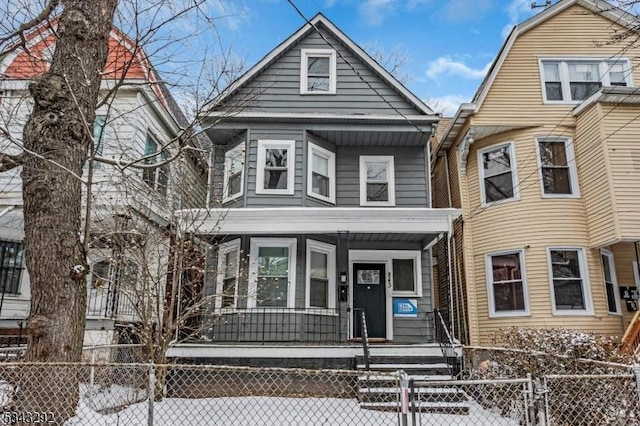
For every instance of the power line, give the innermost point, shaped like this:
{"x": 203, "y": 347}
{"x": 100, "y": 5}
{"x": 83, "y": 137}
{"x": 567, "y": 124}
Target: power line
{"x": 352, "y": 67}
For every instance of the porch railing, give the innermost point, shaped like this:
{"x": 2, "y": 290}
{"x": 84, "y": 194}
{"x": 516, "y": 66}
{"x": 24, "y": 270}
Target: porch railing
{"x": 446, "y": 342}
{"x": 364, "y": 334}
{"x": 631, "y": 339}
{"x": 110, "y": 303}
{"x": 269, "y": 325}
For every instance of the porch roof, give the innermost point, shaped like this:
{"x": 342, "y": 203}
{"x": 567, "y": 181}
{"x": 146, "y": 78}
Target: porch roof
{"x": 315, "y": 220}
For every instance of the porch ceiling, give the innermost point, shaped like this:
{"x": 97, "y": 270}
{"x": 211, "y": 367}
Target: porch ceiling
{"x": 418, "y": 222}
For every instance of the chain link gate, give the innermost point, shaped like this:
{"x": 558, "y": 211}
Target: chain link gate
{"x": 500, "y": 402}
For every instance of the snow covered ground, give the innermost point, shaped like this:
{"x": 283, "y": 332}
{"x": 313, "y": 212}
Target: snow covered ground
{"x": 270, "y": 411}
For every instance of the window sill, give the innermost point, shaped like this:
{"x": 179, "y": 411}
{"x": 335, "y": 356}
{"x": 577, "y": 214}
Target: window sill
{"x": 499, "y": 202}
{"x": 510, "y": 314}
{"x": 406, "y": 294}
{"x": 318, "y": 93}
{"x": 615, "y": 314}
{"x": 232, "y": 198}
{"x": 573, "y": 313}
{"x": 560, "y": 196}
{"x": 378, "y": 204}
{"x": 274, "y": 192}
{"x": 321, "y": 198}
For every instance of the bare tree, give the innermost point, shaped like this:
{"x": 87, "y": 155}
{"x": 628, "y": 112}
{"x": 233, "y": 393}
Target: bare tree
{"x": 79, "y": 72}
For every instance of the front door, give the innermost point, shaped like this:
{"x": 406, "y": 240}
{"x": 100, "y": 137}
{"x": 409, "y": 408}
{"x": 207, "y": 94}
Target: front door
{"x": 369, "y": 297}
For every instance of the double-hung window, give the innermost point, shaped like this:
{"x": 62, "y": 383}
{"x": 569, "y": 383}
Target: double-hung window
{"x": 574, "y": 80}
{"x": 610, "y": 282}
{"x": 317, "y": 71}
{"x": 272, "y": 281}
{"x": 11, "y": 260}
{"x": 234, "y": 172}
{"x": 557, "y": 167}
{"x": 276, "y": 160}
{"x": 498, "y": 178}
{"x": 321, "y": 275}
{"x": 157, "y": 177}
{"x": 507, "y": 284}
{"x": 377, "y": 180}
{"x": 321, "y": 174}
{"x": 228, "y": 273}
{"x": 569, "y": 289}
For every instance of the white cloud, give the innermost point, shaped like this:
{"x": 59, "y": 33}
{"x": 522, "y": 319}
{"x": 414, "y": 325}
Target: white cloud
{"x": 518, "y": 10}
{"x": 232, "y": 15}
{"x": 447, "y": 104}
{"x": 446, "y": 65}
{"x": 375, "y": 11}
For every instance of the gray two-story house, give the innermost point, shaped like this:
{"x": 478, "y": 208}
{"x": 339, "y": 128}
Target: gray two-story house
{"x": 320, "y": 205}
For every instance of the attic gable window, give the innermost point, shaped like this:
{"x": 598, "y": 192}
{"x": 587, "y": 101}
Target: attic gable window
{"x": 318, "y": 71}
{"x": 574, "y": 80}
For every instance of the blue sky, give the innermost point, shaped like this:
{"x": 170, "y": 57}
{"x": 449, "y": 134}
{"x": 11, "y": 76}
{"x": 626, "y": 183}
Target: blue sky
{"x": 449, "y": 44}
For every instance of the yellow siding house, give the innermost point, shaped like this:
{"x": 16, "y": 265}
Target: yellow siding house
{"x": 545, "y": 164}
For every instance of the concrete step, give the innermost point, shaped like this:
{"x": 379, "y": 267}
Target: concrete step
{"x": 402, "y": 359}
{"x": 373, "y": 377}
{"x": 423, "y": 407}
{"x": 439, "y": 366}
{"x": 424, "y": 394}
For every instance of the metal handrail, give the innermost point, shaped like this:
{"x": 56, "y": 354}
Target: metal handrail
{"x": 365, "y": 341}
{"x": 447, "y": 343}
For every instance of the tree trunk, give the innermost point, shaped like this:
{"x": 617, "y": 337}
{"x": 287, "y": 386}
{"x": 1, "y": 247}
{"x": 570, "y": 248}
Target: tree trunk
{"x": 58, "y": 132}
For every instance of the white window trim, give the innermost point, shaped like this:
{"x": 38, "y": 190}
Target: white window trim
{"x": 525, "y": 289}
{"x": 263, "y": 145}
{"x": 616, "y": 290}
{"x": 237, "y": 151}
{"x": 223, "y": 250}
{"x": 586, "y": 288}
{"x": 564, "y": 75}
{"x": 256, "y": 243}
{"x": 304, "y": 61}
{"x": 571, "y": 163}
{"x": 331, "y": 159}
{"x": 389, "y": 159}
{"x": 514, "y": 174}
{"x": 330, "y": 251}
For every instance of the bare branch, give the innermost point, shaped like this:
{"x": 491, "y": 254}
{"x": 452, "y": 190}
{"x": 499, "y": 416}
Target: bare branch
{"x": 25, "y": 27}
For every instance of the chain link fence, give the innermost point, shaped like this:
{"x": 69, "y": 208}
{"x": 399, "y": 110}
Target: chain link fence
{"x": 582, "y": 400}
{"x": 128, "y": 392}
{"x": 149, "y": 394}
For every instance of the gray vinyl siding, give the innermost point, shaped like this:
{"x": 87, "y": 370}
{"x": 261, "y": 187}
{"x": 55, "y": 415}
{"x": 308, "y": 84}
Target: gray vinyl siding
{"x": 418, "y": 330}
{"x": 269, "y": 200}
{"x": 410, "y": 175}
{"x": 277, "y": 88}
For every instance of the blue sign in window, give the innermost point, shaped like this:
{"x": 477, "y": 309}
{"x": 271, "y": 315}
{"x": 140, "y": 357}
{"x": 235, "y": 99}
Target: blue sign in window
{"x": 407, "y": 308}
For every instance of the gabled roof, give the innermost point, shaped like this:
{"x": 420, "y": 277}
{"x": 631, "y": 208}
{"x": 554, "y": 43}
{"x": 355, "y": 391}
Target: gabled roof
{"x": 125, "y": 60}
{"x": 600, "y": 7}
{"x": 466, "y": 110}
{"x": 313, "y": 25}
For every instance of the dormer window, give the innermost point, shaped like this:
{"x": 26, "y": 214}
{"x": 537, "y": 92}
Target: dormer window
{"x": 318, "y": 71}
{"x": 574, "y": 80}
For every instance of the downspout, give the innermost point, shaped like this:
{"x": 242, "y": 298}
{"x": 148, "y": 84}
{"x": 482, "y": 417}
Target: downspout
{"x": 635, "y": 245}
{"x": 449, "y": 276}
{"x": 446, "y": 165}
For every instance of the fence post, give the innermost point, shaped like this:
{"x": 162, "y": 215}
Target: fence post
{"x": 404, "y": 397}
{"x": 540, "y": 398}
{"x": 152, "y": 396}
{"x": 92, "y": 374}
{"x": 636, "y": 372}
